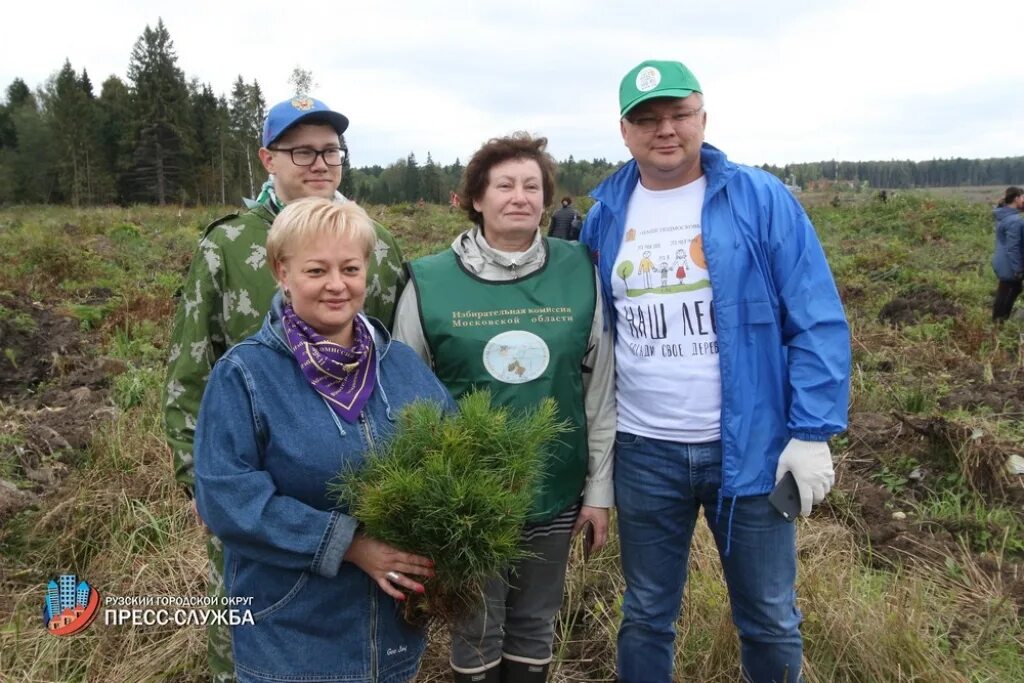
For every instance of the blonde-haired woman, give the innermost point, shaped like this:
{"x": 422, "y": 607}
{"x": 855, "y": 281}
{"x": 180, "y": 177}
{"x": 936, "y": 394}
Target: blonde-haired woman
{"x": 285, "y": 410}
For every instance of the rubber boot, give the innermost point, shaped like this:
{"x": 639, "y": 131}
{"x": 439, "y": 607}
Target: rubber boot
{"x": 521, "y": 672}
{"x": 492, "y": 675}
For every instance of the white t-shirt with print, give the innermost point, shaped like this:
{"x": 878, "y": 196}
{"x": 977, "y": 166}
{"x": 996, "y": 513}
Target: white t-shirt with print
{"x": 668, "y": 384}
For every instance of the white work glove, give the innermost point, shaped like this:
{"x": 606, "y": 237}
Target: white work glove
{"x": 811, "y": 465}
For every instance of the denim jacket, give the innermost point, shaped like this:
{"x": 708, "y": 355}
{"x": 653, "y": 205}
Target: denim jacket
{"x": 266, "y": 447}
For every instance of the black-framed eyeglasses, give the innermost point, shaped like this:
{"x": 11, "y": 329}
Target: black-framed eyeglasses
{"x": 306, "y": 156}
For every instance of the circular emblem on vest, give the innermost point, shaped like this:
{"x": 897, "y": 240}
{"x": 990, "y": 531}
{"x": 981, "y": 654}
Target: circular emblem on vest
{"x": 516, "y": 357}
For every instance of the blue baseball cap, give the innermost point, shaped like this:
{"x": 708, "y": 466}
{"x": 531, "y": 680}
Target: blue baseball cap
{"x": 284, "y": 115}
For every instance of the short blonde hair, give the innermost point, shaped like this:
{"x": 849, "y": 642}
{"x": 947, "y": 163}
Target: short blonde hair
{"x": 311, "y": 217}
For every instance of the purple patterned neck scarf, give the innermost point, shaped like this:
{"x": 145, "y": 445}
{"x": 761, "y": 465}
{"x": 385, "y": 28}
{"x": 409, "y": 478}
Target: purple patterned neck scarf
{"x": 345, "y": 377}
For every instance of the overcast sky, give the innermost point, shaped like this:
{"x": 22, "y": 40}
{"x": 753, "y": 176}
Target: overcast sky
{"x": 784, "y": 80}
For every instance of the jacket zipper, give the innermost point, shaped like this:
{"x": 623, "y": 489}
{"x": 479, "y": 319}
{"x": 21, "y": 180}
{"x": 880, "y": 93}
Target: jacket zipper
{"x": 373, "y": 592}
{"x": 373, "y": 632}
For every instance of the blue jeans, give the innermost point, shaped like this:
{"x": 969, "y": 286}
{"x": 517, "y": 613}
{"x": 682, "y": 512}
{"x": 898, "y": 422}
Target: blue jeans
{"x": 659, "y": 488}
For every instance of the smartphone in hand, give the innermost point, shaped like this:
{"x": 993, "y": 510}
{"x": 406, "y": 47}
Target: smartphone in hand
{"x": 588, "y": 540}
{"x": 785, "y": 497}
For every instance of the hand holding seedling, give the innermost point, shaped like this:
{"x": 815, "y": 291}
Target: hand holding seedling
{"x": 388, "y": 566}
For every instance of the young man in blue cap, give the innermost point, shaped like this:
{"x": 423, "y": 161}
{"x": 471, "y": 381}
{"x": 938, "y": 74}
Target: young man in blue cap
{"x": 228, "y": 290}
{"x": 730, "y": 374}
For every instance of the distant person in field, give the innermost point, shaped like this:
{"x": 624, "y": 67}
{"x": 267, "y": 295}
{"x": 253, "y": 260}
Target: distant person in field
{"x": 736, "y": 383}
{"x": 494, "y": 311}
{"x": 284, "y": 412}
{"x": 228, "y": 288}
{"x": 565, "y": 222}
{"x": 1008, "y": 257}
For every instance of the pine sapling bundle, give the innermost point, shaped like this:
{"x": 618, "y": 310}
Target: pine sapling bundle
{"x": 456, "y": 488}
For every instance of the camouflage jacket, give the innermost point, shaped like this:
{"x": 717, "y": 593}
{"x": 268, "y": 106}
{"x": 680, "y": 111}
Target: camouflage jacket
{"x": 224, "y": 299}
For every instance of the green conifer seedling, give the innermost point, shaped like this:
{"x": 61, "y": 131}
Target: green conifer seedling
{"x": 456, "y": 488}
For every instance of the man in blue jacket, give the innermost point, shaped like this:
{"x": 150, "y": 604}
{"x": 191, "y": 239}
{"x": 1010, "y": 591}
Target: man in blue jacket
{"x": 733, "y": 359}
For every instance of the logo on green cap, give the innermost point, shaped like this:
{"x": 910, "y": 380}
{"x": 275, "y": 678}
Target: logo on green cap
{"x": 648, "y": 79}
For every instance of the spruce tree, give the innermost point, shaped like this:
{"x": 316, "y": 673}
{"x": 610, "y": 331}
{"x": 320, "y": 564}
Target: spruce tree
{"x": 411, "y": 188}
{"x": 33, "y": 162}
{"x": 114, "y": 134}
{"x": 248, "y": 109}
{"x": 17, "y": 94}
{"x": 209, "y": 129}
{"x": 453, "y": 175}
{"x": 161, "y": 130}
{"x": 430, "y": 182}
{"x": 72, "y": 114}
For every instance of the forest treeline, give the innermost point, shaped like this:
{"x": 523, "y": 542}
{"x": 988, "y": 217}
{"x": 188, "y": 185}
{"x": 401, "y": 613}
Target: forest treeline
{"x": 904, "y": 174}
{"x": 159, "y": 137}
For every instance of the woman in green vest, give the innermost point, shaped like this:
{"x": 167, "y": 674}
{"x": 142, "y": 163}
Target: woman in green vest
{"x": 509, "y": 310}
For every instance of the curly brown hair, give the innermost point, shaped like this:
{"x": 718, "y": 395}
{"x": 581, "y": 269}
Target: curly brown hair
{"x": 519, "y": 145}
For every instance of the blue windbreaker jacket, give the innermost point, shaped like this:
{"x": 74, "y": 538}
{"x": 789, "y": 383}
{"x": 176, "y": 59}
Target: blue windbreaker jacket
{"x": 784, "y": 344}
{"x": 1008, "y": 257}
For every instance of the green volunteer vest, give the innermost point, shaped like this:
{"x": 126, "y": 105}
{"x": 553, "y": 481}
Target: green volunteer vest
{"x": 524, "y": 340}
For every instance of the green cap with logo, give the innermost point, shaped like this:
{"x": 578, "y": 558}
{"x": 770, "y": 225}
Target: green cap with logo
{"x": 655, "y": 78}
